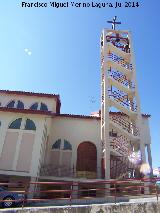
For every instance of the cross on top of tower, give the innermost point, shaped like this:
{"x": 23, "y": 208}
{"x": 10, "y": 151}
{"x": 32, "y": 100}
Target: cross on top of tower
{"x": 114, "y": 22}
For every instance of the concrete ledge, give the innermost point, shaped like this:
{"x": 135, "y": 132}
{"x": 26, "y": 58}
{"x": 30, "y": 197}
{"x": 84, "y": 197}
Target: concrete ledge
{"x": 140, "y": 207}
{"x": 80, "y": 201}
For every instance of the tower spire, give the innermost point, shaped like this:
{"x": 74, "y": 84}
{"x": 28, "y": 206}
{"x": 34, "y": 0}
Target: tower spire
{"x": 114, "y": 22}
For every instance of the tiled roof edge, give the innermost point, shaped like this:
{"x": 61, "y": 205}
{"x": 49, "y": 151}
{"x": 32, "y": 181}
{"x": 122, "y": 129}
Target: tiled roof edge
{"x": 30, "y": 93}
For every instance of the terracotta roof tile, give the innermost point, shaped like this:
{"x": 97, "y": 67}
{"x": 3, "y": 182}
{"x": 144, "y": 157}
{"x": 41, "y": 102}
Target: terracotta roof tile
{"x": 93, "y": 117}
{"x": 30, "y": 93}
{"x": 78, "y": 116}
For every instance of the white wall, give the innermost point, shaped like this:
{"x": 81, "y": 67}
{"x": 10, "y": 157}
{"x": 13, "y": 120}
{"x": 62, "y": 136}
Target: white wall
{"x": 28, "y": 100}
{"x": 76, "y": 131}
{"x": 6, "y": 118}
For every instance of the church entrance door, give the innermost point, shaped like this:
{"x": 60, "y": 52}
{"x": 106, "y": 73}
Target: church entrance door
{"x": 86, "y": 160}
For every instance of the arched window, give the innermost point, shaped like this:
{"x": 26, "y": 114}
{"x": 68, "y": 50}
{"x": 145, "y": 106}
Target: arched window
{"x": 16, "y": 124}
{"x": 20, "y": 105}
{"x": 34, "y": 106}
{"x": 30, "y": 125}
{"x": 57, "y": 144}
{"x": 15, "y": 104}
{"x": 44, "y": 107}
{"x": 67, "y": 145}
{"x": 11, "y": 104}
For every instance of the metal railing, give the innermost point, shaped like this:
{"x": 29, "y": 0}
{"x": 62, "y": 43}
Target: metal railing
{"x": 122, "y": 98}
{"x": 120, "y": 61}
{"x": 119, "y": 42}
{"x": 121, "y": 78}
{"x": 121, "y": 145}
{"x": 68, "y": 191}
{"x": 126, "y": 125}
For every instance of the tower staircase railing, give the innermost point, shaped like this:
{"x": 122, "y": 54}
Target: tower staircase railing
{"x": 120, "y": 61}
{"x": 122, "y": 167}
{"x": 125, "y": 124}
{"x": 121, "y": 145}
{"x": 122, "y": 99}
{"x": 121, "y": 78}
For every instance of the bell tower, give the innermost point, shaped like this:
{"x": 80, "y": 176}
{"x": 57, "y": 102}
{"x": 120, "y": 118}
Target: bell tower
{"x": 119, "y": 93}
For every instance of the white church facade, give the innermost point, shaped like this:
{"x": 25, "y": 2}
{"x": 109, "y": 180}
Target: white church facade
{"x": 39, "y": 143}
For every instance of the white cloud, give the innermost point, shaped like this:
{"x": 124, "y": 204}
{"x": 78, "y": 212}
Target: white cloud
{"x": 28, "y": 51}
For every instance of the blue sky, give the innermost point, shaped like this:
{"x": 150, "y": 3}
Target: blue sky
{"x": 65, "y": 54}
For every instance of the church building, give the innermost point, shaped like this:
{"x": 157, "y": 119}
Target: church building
{"x": 39, "y": 143}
